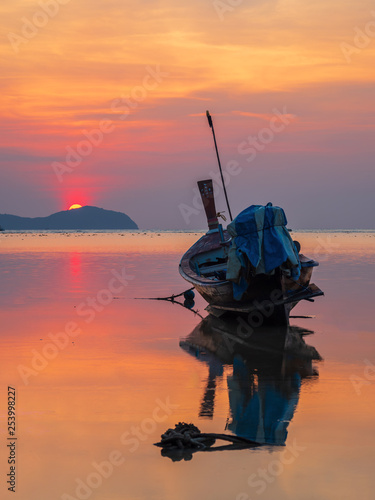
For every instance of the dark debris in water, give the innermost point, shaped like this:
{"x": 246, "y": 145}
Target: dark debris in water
{"x": 185, "y": 439}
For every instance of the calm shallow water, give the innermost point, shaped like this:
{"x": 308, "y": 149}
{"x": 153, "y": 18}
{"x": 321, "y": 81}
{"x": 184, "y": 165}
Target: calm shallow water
{"x": 108, "y": 392}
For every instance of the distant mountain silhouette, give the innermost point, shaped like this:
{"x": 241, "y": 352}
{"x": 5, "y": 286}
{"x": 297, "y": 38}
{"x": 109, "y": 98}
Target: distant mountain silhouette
{"x": 78, "y": 218}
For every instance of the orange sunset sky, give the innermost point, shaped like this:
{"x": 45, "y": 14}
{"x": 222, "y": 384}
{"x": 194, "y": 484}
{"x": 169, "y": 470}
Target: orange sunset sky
{"x": 103, "y": 103}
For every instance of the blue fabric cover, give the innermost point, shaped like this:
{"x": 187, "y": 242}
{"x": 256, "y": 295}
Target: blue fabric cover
{"x": 260, "y": 234}
{"x": 264, "y": 415}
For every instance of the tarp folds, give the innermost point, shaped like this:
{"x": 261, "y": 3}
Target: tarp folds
{"x": 260, "y": 237}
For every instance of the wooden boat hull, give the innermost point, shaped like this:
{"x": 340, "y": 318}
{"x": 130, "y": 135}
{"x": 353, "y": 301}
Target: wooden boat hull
{"x": 268, "y": 297}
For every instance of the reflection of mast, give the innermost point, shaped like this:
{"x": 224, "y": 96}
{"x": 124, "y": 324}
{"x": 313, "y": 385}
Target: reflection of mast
{"x": 208, "y": 400}
{"x": 215, "y": 370}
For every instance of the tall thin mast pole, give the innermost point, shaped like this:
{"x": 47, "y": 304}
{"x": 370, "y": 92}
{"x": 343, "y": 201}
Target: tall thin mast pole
{"x": 218, "y": 159}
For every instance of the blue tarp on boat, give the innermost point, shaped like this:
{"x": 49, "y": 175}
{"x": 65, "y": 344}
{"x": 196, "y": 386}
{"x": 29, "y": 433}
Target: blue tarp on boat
{"x": 260, "y": 235}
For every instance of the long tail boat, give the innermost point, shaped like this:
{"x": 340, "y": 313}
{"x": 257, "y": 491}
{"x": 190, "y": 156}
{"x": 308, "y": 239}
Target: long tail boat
{"x": 268, "y": 296}
{"x": 253, "y": 266}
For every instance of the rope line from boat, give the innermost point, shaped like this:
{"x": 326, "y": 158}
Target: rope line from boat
{"x": 304, "y": 288}
{"x": 172, "y": 297}
{"x": 188, "y": 304}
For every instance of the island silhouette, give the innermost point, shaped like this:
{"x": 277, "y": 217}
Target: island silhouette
{"x": 86, "y": 217}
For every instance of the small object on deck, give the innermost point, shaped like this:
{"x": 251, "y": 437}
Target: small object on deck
{"x": 220, "y": 214}
{"x": 297, "y": 244}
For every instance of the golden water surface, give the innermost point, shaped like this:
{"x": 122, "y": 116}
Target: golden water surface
{"x": 99, "y": 376}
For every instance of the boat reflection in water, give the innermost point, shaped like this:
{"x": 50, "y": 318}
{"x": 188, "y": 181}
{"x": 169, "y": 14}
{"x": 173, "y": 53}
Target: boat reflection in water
{"x": 269, "y": 365}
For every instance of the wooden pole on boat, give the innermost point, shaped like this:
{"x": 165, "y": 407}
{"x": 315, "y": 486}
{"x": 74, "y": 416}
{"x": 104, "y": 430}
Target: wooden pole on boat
{"x": 218, "y": 159}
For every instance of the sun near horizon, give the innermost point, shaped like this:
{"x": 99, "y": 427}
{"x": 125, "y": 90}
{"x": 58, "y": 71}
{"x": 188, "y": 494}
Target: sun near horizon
{"x": 75, "y": 205}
